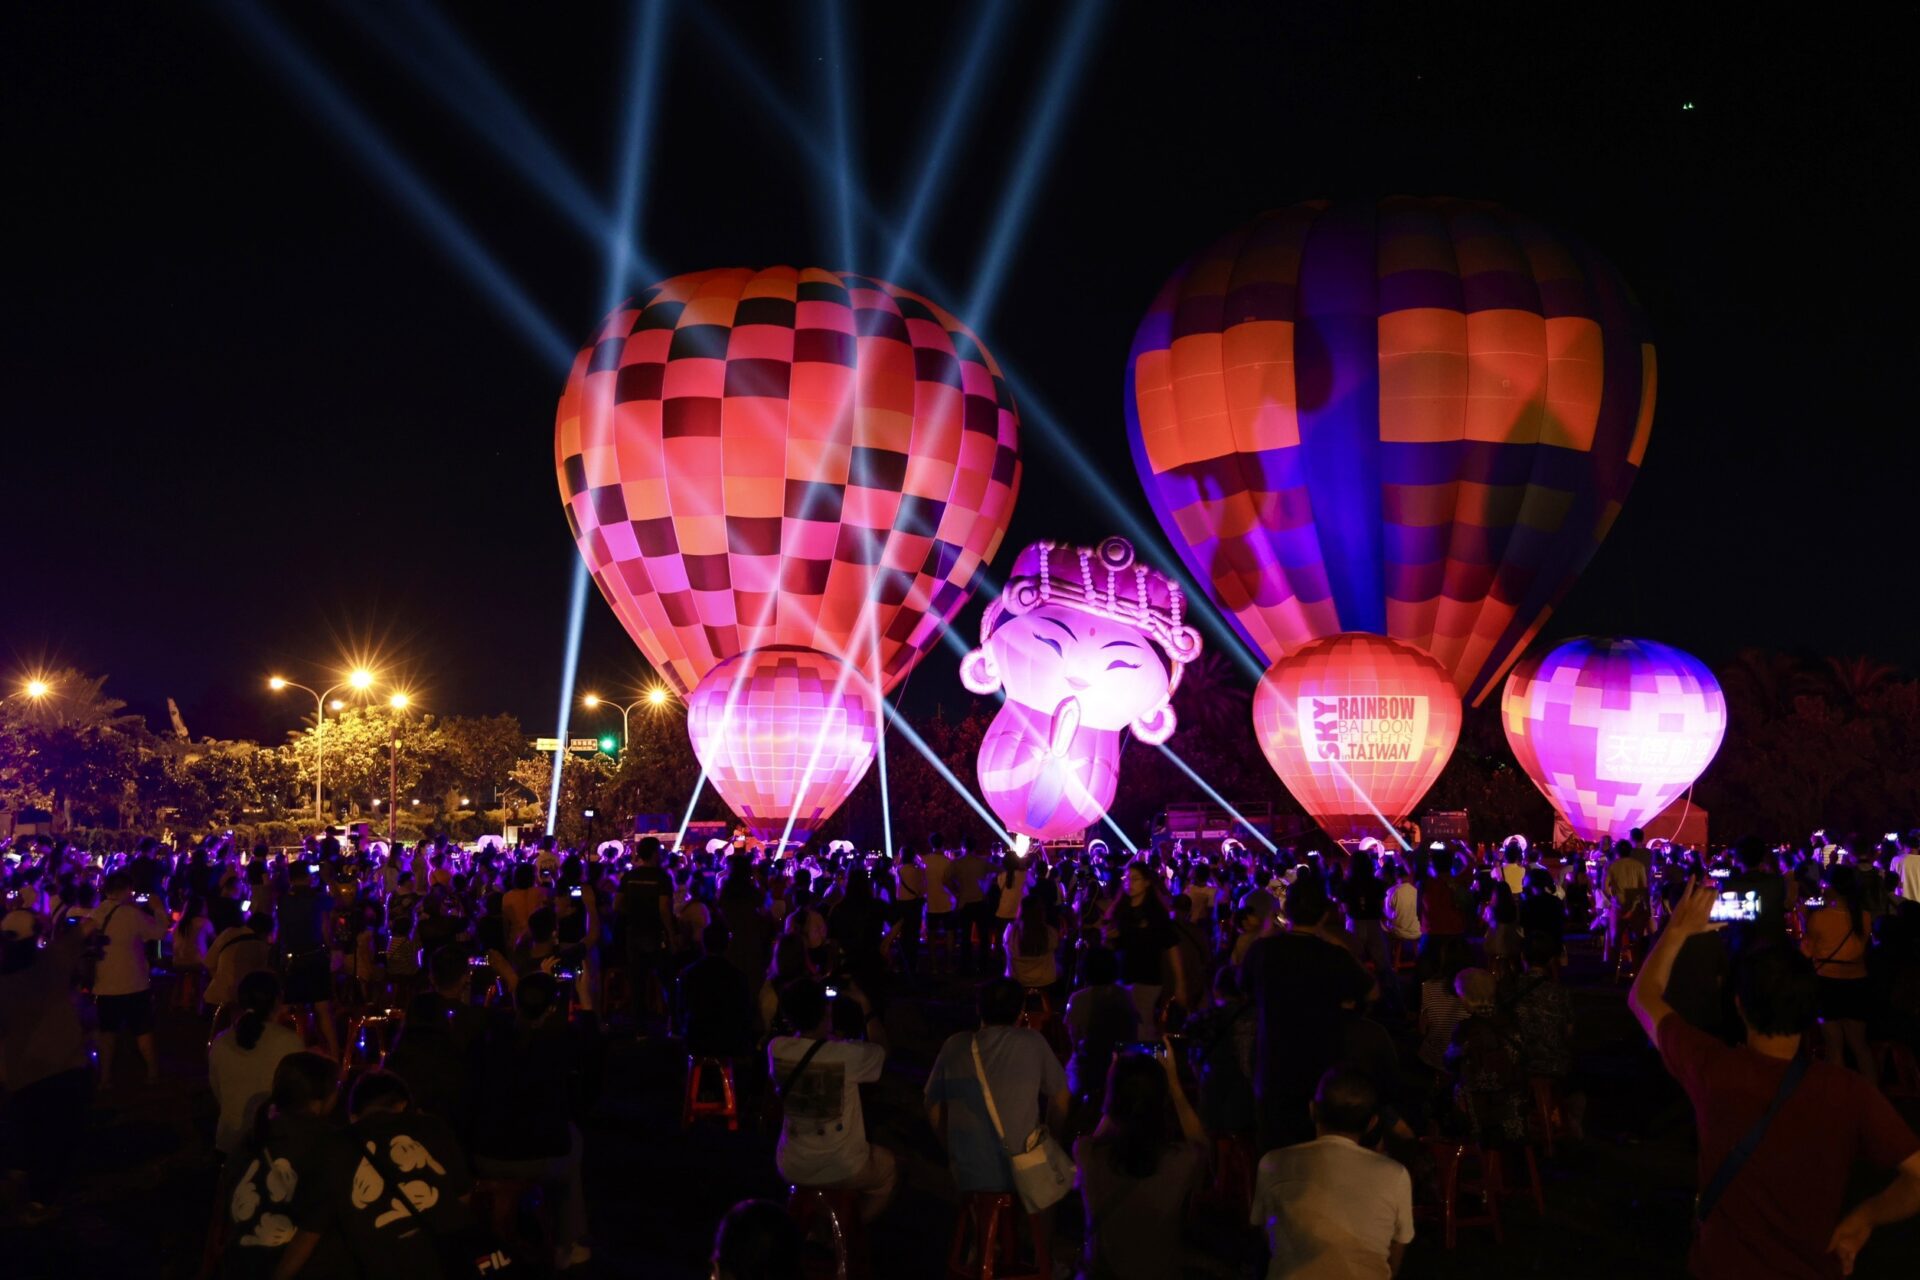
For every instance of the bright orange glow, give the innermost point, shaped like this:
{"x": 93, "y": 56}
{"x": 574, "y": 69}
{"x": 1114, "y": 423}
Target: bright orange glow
{"x": 592, "y": 699}
{"x": 361, "y": 679}
{"x": 277, "y": 683}
{"x": 399, "y": 701}
{"x": 657, "y": 696}
{"x": 338, "y": 704}
{"x": 37, "y": 689}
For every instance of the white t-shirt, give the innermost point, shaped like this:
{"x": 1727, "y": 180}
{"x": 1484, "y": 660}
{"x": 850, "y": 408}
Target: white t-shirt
{"x": 242, "y": 1079}
{"x": 122, "y": 970}
{"x": 823, "y": 1139}
{"x": 1403, "y": 910}
{"x": 1908, "y": 865}
{"x": 1332, "y": 1210}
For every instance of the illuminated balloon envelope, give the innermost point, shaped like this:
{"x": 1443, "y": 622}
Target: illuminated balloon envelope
{"x": 1358, "y": 726}
{"x": 784, "y": 732}
{"x": 1076, "y": 640}
{"x": 1612, "y": 731}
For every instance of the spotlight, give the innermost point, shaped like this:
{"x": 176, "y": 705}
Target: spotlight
{"x": 361, "y": 678}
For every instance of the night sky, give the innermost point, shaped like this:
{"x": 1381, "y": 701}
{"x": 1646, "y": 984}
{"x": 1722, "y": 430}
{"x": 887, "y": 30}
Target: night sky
{"x": 260, "y": 413}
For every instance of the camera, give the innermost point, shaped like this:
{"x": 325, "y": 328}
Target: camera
{"x": 574, "y": 892}
{"x": 565, "y": 975}
{"x": 833, "y": 993}
{"x": 1814, "y": 902}
{"x": 143, "y": 898}
{"x": 313, "y": 868}
{"x": 246, "y": 905}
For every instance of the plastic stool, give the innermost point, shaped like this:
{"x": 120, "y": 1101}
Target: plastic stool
{"x": 992, "y": 1217}
{"x": 1495, "y": 1179}
{"x": 696, "y": 1106}
{"x": 808, "y": 1206}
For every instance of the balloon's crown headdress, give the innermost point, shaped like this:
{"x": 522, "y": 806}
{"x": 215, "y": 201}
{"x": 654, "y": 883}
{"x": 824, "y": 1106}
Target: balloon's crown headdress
{"x": 1105, "y": 581}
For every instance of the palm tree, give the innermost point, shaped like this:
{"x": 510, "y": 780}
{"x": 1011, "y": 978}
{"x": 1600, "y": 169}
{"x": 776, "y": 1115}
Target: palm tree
{"x": 1849, "y": 680}
{"x": 1211, "y": 696}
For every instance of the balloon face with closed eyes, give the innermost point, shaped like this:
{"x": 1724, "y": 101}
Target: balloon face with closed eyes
{"x": 1054, "y": 654}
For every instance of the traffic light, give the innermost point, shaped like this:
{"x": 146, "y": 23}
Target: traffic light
{"x": 609, "y": 745}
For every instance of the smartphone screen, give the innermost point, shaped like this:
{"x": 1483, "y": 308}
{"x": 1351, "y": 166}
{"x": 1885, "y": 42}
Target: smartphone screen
{"x": 1736, "y": 906}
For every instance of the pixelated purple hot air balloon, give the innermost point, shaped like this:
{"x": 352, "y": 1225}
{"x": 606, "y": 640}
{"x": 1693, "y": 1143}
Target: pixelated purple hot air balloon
{"x": 1612, "y": 731}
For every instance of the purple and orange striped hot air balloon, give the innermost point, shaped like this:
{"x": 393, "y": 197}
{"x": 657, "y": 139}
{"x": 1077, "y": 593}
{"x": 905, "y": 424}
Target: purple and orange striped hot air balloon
{"x": 1415, "y": 417}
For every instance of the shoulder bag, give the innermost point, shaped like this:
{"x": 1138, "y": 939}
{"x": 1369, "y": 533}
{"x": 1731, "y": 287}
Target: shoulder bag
{"x": 1042, "y": 1170}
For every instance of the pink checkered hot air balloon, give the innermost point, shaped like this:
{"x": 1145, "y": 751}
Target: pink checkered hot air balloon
{"x": 1358, "y": 726}
{"x": 1612, "y": 731}
{"x": 784, "y": 733}
{"x": 1076, "y": 639}
{"x": 775, "y": 475}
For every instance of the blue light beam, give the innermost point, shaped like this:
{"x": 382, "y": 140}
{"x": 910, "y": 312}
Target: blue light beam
{"x": 961, "y": 101}
{"x": 576, "y": 622}
{"x": 915, "y": 741}
{"x": 373, "y": 151}
{"x": 1048, "y": 114}
{"x": 643, "y": 95}
{"x": 838, "y": 73}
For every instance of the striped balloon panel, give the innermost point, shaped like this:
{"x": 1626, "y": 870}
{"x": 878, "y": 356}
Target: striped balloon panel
{"x": 1417, "y": 418}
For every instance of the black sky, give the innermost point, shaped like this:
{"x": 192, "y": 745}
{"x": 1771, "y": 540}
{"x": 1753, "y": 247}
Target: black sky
{"x": 257, "y": 414}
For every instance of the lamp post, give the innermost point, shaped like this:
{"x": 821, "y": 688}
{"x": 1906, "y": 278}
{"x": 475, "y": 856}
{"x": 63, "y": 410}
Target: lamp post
{"x": 360, "y": 679}
{"x": 655, "y": 697}
{"x": 398, "y": 702}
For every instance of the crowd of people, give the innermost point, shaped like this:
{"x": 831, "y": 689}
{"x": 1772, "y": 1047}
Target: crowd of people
{"x": 1238, "y": 1056}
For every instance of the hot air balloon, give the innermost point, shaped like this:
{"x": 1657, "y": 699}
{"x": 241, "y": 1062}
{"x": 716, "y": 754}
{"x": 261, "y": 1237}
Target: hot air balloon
{"x": 1612, "y": 731}
{"x": 1358, "y": 727}
{"x": 1417, "y": 418}
{"x": 779, "y": 474}
{"x": 1076, "y": 639}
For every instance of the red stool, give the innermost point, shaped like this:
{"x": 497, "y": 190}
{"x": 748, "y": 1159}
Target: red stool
{"x": 840, "y": 1211}
{"x": 1548, "y": 1116}
{"x": 1448, "y": 1156}
{"x": 696, "y": 1106}
{"x": 1495, "y": 1178}
{"x": 989, "y": 1220}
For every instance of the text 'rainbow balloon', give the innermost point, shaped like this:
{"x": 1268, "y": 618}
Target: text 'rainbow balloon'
{"x": 1075, "y": 640}
{"x": 795, "y": 741}
{"x": 768, "y": 461}
{"x": 1358, "y": 727}
{"x": 1417, "y": 418}
{"x": 1612, "y": 731}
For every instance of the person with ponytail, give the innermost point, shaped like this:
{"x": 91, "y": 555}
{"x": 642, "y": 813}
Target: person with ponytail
{"x": 278, "y": 1198}
{"x": 242, "y": 1060}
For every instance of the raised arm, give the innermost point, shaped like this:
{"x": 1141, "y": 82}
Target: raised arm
{"x": 1648, "y": 999}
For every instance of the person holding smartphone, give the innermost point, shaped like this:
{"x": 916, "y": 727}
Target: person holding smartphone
{"x": 122, "y": 983}
{"x": 1779, "y": 1134}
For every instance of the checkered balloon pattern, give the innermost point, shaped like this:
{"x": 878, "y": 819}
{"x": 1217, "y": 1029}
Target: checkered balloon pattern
{"x": 1358, "y": 727}
{"x": 784, "y": 732}
{"x": 1612, "y": 731}
{"x": 1417, "y": 418}
{"x": 785, "y": 457}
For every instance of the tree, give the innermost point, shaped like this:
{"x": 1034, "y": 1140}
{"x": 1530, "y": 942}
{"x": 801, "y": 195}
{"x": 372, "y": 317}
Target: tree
{"x": 356, "y": 755}
{"x": 472, "y": 756}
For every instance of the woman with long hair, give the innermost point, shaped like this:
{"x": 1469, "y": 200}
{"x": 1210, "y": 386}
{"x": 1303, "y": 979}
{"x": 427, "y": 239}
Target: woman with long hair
{"x": 1834, "y": 935}
{"x": 1032, "y": 946}
{"x": 1142, "y": 933}
{"x": 1138, "y": 1168}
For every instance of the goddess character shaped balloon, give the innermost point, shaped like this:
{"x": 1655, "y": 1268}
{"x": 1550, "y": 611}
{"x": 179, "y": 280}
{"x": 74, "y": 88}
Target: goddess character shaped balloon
{"x": 1077, "y": 641}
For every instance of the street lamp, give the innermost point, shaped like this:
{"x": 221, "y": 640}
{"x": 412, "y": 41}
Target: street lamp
{"x": 397, "y": 701}
{"x": 37, "y": 689}
{"x": 359, "y": 678}
{"x": 655, "y": 698}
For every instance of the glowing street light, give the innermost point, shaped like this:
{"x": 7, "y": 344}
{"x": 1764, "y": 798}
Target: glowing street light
{"x": 359, "y": 678}
{"x": 656, "y": 697}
